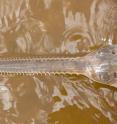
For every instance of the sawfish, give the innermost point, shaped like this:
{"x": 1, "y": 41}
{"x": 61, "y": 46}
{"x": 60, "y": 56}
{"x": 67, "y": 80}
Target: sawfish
{"x": 100, "y": 65}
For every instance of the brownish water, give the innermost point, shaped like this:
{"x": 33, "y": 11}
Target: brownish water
{"x": 56, "y": 28}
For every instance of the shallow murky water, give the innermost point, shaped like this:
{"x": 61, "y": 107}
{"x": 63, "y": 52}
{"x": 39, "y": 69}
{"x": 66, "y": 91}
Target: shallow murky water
{"x": 56, "y": 28}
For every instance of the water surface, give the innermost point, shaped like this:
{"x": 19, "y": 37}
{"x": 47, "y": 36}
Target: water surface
{"x": 56, "y": 28}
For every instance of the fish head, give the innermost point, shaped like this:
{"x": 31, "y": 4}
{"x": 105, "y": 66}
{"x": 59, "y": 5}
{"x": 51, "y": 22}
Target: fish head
{"x": 104, "y": 65}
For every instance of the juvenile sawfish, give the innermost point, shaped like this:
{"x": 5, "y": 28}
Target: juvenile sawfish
{"x": 100, "y": 65}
